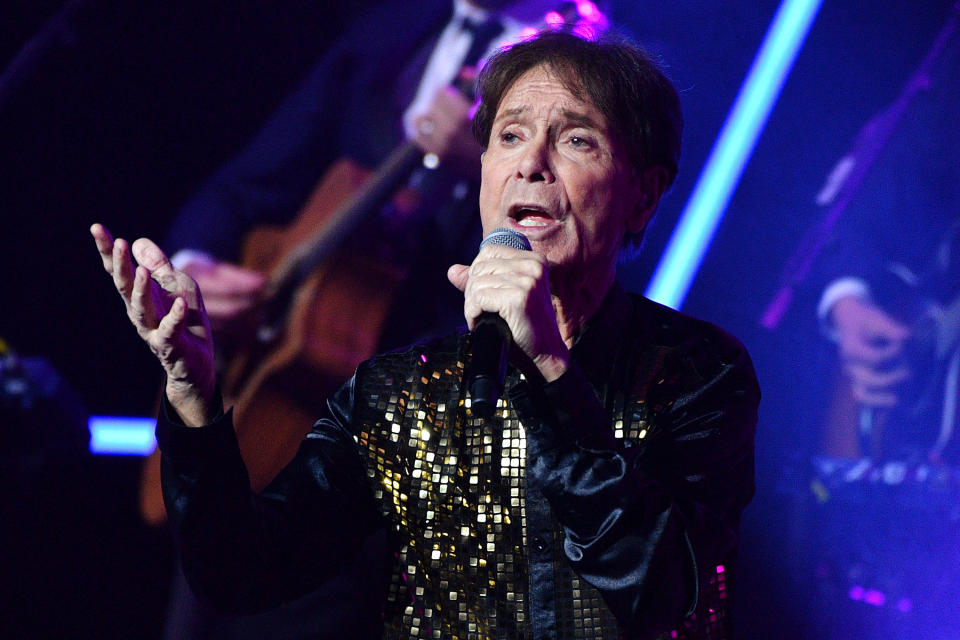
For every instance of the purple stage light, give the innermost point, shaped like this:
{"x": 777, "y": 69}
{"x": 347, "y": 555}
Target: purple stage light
{"x": 587, "y": 9}
{"x": 875, "y": 598}
{"x": 554, "y": 19}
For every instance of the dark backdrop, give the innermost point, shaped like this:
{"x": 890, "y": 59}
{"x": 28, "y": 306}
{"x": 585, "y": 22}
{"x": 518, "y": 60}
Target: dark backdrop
{"x": 115, "y": 119}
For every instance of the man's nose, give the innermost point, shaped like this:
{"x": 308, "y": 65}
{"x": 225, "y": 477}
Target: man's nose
{"x": 535, "y": 163}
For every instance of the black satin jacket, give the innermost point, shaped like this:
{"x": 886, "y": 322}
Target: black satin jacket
{"x": 604, "y": 504}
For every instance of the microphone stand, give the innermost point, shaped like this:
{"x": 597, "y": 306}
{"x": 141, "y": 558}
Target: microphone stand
{"x": 846, "y": 177}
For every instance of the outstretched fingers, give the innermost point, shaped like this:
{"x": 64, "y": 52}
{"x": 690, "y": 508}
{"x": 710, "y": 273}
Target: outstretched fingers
{"x": 165, "y": 307}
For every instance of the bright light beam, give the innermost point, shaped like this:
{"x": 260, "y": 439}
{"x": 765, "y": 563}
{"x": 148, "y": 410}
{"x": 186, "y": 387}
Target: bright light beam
{"x": 123, "y": 436}
{"x": 702, "y": 214}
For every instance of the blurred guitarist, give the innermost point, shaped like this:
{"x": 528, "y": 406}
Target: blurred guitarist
{"x": 892, "y": 280}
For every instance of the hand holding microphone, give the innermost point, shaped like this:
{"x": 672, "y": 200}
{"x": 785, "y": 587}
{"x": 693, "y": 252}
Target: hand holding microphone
{"x": 507, "y": 298}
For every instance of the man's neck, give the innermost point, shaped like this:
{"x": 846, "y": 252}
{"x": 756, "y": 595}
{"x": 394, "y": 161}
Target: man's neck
{"x": 575, "y": 304}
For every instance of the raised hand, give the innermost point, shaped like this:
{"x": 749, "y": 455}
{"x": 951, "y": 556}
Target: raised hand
{"x": 515, "y": 285}
{"x": 167, "y": 311}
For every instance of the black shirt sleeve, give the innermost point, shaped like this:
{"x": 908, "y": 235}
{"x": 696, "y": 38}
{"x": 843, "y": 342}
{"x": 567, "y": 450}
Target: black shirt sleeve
{"x": 242, "y": 552}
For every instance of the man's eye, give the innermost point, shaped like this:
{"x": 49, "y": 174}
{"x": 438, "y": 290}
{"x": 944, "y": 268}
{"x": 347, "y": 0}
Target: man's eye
{"x": 577, "y": 141}
{"x": 508, "y": 137}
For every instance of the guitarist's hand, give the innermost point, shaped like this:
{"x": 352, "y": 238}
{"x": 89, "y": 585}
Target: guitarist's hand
{"x": 445, "y": 130}
{"x": 870, "y": 342}
{"x": 229, "y": 291}
{"x": 166, "y": 308}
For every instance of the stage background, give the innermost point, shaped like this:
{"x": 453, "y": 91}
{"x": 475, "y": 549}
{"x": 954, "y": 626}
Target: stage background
{"x": 122, "y": 113}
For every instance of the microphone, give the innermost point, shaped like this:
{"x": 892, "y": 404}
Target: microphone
{"x": 491, "y": 341}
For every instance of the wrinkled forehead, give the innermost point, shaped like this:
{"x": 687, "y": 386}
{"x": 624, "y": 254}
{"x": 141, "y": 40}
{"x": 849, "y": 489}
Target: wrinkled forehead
{"x": 544, "y": 88}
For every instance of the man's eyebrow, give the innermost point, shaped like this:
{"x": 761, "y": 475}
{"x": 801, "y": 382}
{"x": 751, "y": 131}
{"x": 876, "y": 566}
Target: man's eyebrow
{"x": 510, "y": 112}
{"x": 580, "y": 119}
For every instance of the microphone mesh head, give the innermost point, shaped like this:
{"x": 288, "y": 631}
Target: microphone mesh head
{"x": 507, "y": 237}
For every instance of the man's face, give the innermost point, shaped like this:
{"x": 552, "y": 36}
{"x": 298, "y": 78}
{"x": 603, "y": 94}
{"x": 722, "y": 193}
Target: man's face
{"x": 554, "y": 171}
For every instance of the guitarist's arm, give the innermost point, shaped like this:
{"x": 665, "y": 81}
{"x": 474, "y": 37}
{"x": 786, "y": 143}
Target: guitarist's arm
{"x": 229, "y": 202}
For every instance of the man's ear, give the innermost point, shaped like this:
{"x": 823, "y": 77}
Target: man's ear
{"x": 649, "y": 187}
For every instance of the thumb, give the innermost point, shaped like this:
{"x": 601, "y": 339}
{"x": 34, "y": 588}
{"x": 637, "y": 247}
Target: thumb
{"x": 458, "y": 275}
{"x": 152, "y": 257}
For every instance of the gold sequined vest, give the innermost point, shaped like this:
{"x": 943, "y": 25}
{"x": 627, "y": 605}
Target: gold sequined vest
{"x": 454, "y": 487}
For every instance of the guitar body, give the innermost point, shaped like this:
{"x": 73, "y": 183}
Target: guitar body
{"x": 334, "y": 322}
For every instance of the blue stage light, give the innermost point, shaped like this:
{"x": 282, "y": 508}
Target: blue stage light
{"x": 110, "y": 435}
{"x": 702, "y": 214}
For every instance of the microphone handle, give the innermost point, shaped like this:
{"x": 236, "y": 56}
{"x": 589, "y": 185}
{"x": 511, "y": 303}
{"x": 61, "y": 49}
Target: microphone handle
{"x": 488, "y": 367}
{"x": 491, "y": 341}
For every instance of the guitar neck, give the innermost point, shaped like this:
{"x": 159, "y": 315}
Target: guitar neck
{"x": 310, "y": 254}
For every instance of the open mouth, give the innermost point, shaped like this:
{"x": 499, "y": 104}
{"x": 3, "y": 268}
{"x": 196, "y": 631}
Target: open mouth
{"x": 528, "y": 215}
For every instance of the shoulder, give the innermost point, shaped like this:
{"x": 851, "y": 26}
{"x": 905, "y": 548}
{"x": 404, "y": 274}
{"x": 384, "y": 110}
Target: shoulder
{"x": 694, "y": 349}
{"x": 672, "y": 329}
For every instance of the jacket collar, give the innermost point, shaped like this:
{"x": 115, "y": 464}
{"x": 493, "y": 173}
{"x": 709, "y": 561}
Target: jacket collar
{"x": 599, "y": 342}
